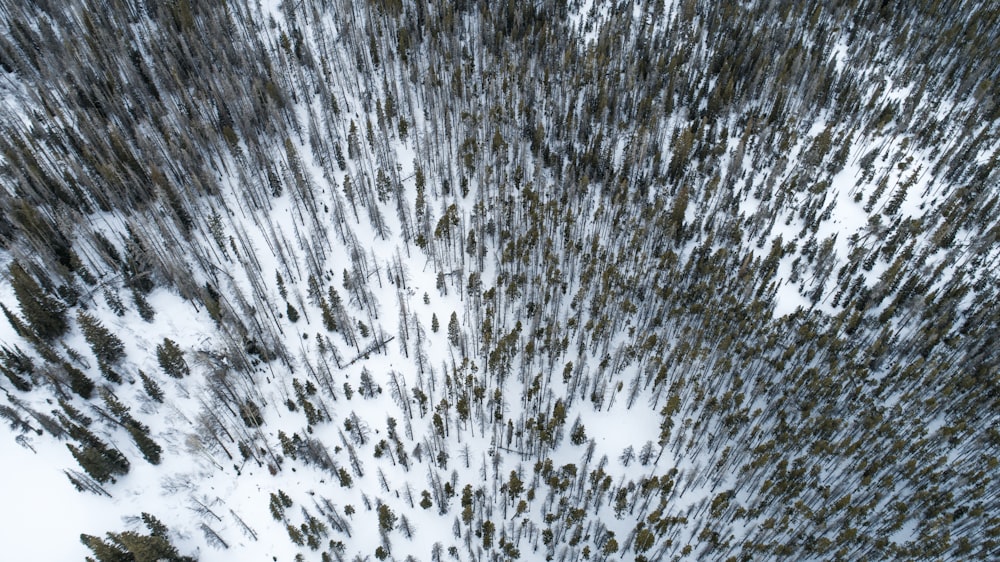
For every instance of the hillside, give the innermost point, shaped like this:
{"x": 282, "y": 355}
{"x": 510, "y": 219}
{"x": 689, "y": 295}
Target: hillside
{"x": 564, "y": 280}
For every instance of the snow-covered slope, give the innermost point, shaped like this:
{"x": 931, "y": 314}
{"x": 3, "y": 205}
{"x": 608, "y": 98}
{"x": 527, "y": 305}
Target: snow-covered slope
{"x": 561, "y": 281}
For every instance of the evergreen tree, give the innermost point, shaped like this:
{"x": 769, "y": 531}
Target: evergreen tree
{"x": 106, "y": 346}
{"x": 20, "y": 328}
{"x": 105, "y": 552}
{"x": 146, "y": 548}
{"x": 171, "y": 359}
{"x": 140, "y": 434}
{"x": 101, "y": 462}
{"x": 386, "y": 518}
{"x": 454, "y": 330}
{"x": 133, "y": 546}
{"x": 45, "y": 314}
{"x": 19, "y": 382}
{"x": 78, "y": 382}
{"x": 151, "y": 387}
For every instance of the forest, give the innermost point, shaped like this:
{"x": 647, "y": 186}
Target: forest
{"x": 489, "y": 281}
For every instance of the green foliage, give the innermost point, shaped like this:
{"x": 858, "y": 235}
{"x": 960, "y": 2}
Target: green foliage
{"x": 488, "y": 529}
{"x": 386, "y": 518}
{"x": 114, "y": 302}
{"x": 140, "y": 434}
{"x": 171, "y": 359}
{"x": 454, "y": 331}
{"x": 644, "y": 540}
{"x": 578, "y": 435}
{"x": 151, "y": 387}
{"x": 101, "y": 462}
{"x": 105, "y": 552}
{"x": 105, "y": 345}
{"x": 277, "y": 509}
{"x": 46, "y": 315}
{"x": 345, "y": 478}
{"x": 79, "y": 383}
{"x": 295, "y": 534}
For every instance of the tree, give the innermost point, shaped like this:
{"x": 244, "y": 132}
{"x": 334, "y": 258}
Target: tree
{"x": 79, "y": 382}
{"x": 171, "y": 359}
{"x": 105, "y": 552}
{"x": 101, "y": 462}
{"x": 644, "y": 540}
{"x": 514, "y": 485}
{"x": 46, "y": 315}
{"x": 151, "y": 388}
{"x": 146, "y": 548}
{"x": 454, "y": 331}
{"x": 627, "y": 455}
{"x": 488, "y": 529}
{"x": 578, "y": 434}
{"x": 140, "y": 434}
{"x": 386, "y": 518}
{"x": 367, "y": 385}
{"x": 610, "y": 547}
{"x": 106, "y": 346}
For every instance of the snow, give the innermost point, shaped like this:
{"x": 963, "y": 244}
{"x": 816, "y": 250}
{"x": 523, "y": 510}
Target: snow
{"x": 45, "y": 514}
{"x": 199, "y": 484}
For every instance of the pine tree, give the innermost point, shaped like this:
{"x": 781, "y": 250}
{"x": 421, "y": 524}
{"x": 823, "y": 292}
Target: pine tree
{"x": 146, "y": 548}
{"x": 114, "y": 302}
{"x": 106, "y": 346}
{"x": 146, "y": 311}
{"x": 20, "y": 328}
{"x": 454, "y": 331}
{"x": 386, "y": 518}
{"x": 151, "y": 388}
{"x": 17, "y": 380}
{"x": 105, "y": 552}
{"x": 46, "y": 315}
{"x": 101, "y": 462}
{"x": 78, "y": 382}
{"x": 133, "y": 546}
{"x": 171, "y": 359}
{"x": 140, "y": 434}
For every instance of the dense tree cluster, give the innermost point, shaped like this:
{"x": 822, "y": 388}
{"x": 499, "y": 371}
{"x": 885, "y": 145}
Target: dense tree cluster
{"x": 631, "y": 213}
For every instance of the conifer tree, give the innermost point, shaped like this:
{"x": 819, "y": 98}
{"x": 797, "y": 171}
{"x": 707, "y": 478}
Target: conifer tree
{"x": 105, "y": 552}
{"x": 106, "y": 346}
{"x": 171, "y": 359}
{"x": 386, "y": 518}
{"x": 133, "y": 546}
{"x": 101, "y": 462}
{"x": 45, "y": 314}
{"x": 151, "y": 387}
{"x": 454, "y": 330}
{"x": 140, "y": 434}
{"x": 78, "y": 382}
